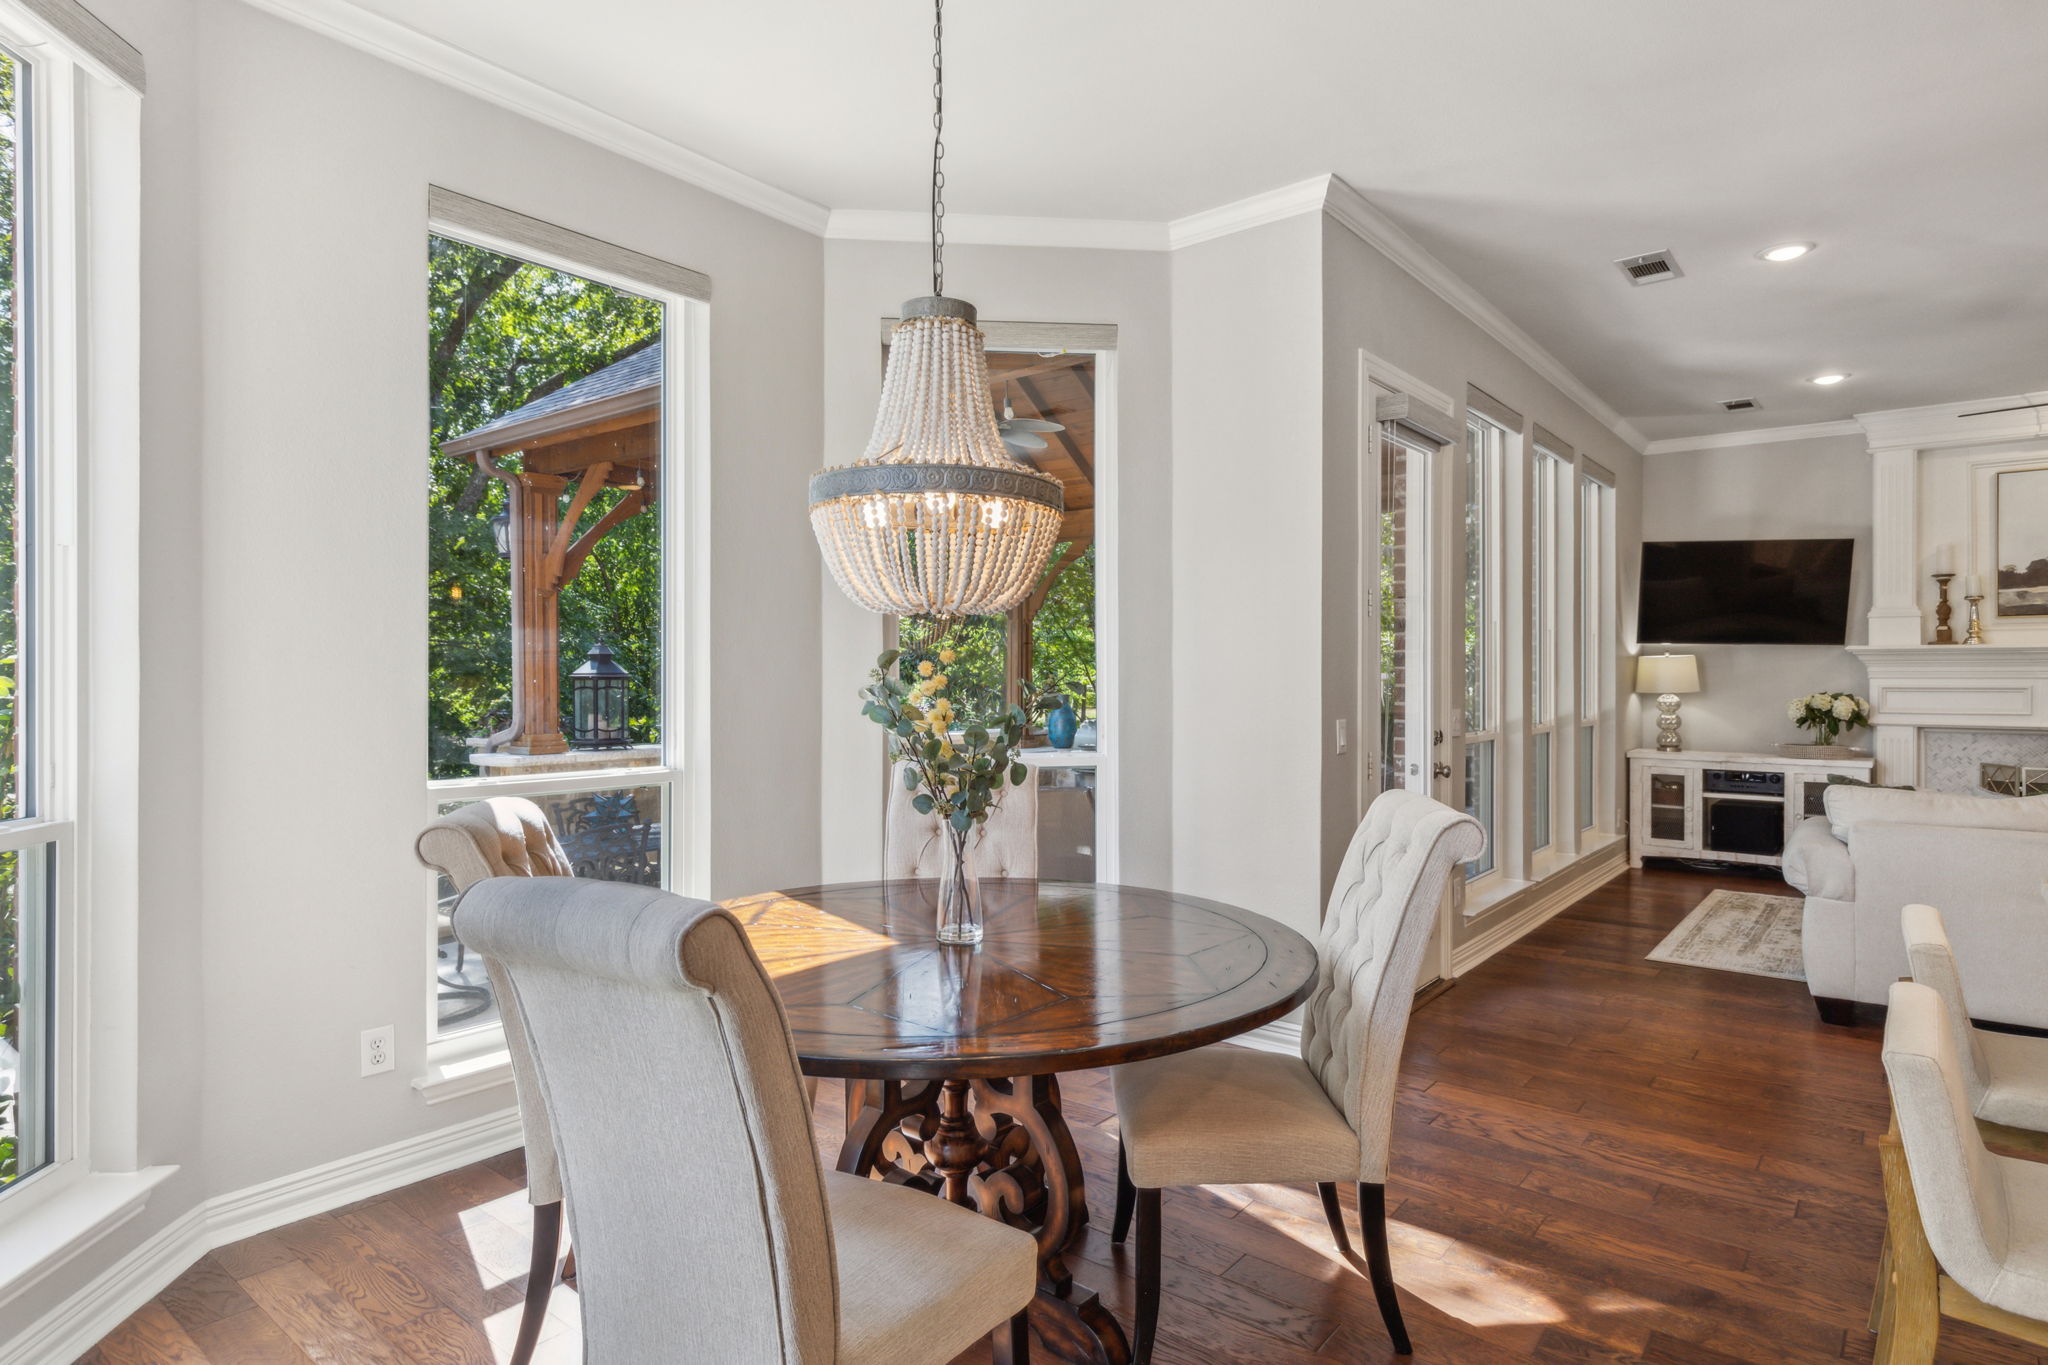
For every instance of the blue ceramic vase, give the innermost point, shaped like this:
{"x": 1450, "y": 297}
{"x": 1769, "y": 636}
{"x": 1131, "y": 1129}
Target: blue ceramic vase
{"x": 1060, "y": 723}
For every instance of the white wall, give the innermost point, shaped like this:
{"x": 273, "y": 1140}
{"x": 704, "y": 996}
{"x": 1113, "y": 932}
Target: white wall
{"x": 868, "y": 281}
{"x": 1785, "y": 490}
{"x": 285, "y": 438}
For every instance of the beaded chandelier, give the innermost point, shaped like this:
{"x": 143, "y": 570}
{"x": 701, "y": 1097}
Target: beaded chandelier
{"x": 935, "y": 518}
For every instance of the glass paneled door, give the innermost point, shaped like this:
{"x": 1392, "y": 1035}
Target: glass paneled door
{"x": 1405, "y": 751}
{"x": 1404, "y": 733}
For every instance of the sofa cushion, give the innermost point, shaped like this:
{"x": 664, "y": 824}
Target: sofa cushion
{"x": 1850, "y": 806}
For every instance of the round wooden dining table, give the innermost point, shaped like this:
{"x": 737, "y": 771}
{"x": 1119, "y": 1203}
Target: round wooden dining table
{"x": 953, "y": 1054}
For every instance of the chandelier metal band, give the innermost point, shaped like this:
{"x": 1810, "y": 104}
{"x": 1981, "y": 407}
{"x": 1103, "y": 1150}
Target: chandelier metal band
{"x": 853, "y": 481}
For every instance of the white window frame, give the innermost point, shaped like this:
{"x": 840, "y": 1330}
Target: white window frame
{"x": 470, "y": 1060}
{"x": 1598, "y": 605}
{"x": 82, "y": 407}
{"x": 1503, "y": 452}
{"x": 1553, "y": 583}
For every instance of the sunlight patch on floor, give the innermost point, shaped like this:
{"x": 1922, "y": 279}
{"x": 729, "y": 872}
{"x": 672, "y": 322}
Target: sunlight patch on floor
{"x": 1478, "y": 1289}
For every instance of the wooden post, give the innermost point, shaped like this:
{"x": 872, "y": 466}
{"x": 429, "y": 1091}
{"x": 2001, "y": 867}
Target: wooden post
{"x": 536, "y": 618}
{"x": 1909, "y": 1307}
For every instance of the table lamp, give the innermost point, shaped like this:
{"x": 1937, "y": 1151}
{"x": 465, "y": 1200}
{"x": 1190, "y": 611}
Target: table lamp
{"x": 1668, "y": 675}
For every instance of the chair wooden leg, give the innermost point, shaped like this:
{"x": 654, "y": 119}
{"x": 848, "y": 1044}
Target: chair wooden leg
{"x": 1372, "y": 1220}
{"x": 1910, "y": 1323}
{"x": 1334, "y": 1212}
{"x": 1012, "y": 1341}
{"x": 1126, "y": 1198}
{"x": 540, "y": 1279}
{"x": 1148, "y": 1277}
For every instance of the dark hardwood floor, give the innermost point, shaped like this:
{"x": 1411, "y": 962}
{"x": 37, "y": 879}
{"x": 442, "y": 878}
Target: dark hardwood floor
{"x": 1597, "y": 1158}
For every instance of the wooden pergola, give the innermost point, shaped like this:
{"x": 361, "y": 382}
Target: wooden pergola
{"x": 603, "y": 431}
{"x": 1056, "y": 388}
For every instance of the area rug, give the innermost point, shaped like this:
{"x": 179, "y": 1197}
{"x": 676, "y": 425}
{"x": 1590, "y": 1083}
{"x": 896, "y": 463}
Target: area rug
{"x": 1739, "y": 931}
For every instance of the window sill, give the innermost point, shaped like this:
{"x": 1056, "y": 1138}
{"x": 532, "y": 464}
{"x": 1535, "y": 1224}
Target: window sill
{"x": 1495, "y": 890}
{"x": 466, "y": 1064}
{"x": 45, "y": 1236}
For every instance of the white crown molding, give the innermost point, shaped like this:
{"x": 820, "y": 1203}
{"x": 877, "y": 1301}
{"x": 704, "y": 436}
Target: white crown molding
{"x": 1762, "y": 436}
{"x": 1289, "y": 201}
{"x": 451, "y": 65}
{"x": 69, "y": 1327}
{"x": 991, "y": 229}
{"x": 1939, "y": 425}
{"x": 1380, "y": 232}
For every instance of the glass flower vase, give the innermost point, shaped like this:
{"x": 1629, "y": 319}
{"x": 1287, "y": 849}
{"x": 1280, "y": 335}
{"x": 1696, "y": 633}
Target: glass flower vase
{"x": 959, "y": 897}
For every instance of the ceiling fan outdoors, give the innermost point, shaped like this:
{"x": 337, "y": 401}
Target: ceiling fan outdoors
{"x": 1020, "y": 434}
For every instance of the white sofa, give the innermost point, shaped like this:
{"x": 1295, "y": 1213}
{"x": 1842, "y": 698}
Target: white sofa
{"x": 1982, "y": 861}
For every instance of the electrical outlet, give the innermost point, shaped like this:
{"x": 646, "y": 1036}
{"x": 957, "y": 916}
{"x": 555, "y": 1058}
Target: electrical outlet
{"x": 379, "y": 1050}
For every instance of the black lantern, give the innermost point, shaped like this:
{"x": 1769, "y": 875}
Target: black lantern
{"x": 597, "y": 702}
{"x": 501, "y": 531}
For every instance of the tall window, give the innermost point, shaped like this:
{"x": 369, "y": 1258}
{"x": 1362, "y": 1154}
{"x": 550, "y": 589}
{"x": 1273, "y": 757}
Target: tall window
{"x": 1549, "y": 572}
{"x": 1596, "y": 642}
{"x": 1485, "y": 459}
{"x": 28, "y": 839}
{"x": 546, "y": 605}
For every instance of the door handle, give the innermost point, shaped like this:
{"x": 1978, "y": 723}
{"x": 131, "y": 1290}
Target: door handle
{"x": 1440, "y": 769}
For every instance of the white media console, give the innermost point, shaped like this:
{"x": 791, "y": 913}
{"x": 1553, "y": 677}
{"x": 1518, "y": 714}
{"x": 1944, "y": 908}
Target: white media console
{"x": 1726, "y": 807}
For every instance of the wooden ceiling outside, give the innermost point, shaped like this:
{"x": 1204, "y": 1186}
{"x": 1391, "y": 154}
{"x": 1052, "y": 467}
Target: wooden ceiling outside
{"x": 1056, "y": 388}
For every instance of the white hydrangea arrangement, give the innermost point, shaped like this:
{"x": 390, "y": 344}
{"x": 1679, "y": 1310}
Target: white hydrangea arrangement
{"x": 1828, "y": 714}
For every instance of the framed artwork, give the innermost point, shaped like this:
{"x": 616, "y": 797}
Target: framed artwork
{"x": 2020, "y": 510}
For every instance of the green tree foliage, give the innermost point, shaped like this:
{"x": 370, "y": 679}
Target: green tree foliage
{"x": 501, "y": 334}
{"x": 10, "y": 608}
{"x": 1062, "y": 645}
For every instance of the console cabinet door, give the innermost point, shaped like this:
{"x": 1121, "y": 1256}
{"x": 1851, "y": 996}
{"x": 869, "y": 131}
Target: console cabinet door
{"x": 1806, "y": 793}
{"x": 1668, "y": 810}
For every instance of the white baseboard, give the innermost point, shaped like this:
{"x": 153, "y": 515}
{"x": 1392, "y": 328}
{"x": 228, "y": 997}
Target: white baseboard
{"x": 1545, "y": 900}
{"x": 70, "y": 1328}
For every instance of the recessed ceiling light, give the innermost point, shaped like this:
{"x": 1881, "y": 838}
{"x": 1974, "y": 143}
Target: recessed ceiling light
{"x": 1785, "y": 251}
{"x": 1827, "y": 379}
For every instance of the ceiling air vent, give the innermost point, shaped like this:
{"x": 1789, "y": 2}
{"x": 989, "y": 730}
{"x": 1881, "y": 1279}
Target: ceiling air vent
{"x": 1740, "y": 404}
{"x": 1654, "y": 268}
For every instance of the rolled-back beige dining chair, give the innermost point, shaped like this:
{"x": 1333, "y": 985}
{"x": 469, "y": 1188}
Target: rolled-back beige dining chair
{"x": 1966, "y": 1229}
{"x": 1232, "y": 1116}
{"x": 706, "y": 1227}
{"x": 1006, "y": 844}
{"x": 508, "y": 836}
{"x": 2004, "y": 1074}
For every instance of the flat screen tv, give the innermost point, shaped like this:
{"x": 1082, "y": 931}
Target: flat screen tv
{"x": 1744, "y": 592}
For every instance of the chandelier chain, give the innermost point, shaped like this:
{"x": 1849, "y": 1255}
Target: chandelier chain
{"x": 938, "y": 148}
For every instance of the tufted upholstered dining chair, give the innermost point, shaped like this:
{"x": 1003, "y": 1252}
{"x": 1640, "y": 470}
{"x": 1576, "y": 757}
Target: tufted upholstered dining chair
{"x": 1231, "y": 1116}
{"x": 1966, "y": 1229}
{"x": 733, "y": 1245}
{"x": 2004, "y": 1074}
{"x": 507, "y": 836}
{"x": 1006, "y": 844}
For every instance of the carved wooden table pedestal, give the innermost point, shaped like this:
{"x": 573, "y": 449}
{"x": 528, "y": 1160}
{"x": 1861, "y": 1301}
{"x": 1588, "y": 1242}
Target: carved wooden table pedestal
{"x": 953, "y": 1055}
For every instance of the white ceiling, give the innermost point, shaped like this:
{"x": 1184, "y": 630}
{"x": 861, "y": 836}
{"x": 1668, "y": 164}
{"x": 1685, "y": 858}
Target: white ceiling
{"x": 1527, "y": 145}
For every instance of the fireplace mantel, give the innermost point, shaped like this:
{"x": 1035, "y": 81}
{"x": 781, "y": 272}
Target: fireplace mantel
{"x": 1949, "y": 687}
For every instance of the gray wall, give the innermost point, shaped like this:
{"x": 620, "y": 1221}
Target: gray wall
{"x": 1373, "y": 304}
{"x": 1247, "y": 570}
{"x": 1791, "y": 489}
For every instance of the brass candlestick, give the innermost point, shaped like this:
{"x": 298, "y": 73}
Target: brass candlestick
{"x": 1976, "y": 625}
{"x": 1944, "y": 634}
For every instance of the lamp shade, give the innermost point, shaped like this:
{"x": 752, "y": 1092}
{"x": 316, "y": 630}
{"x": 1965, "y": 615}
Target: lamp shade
{"x": 1667, "y": 673}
